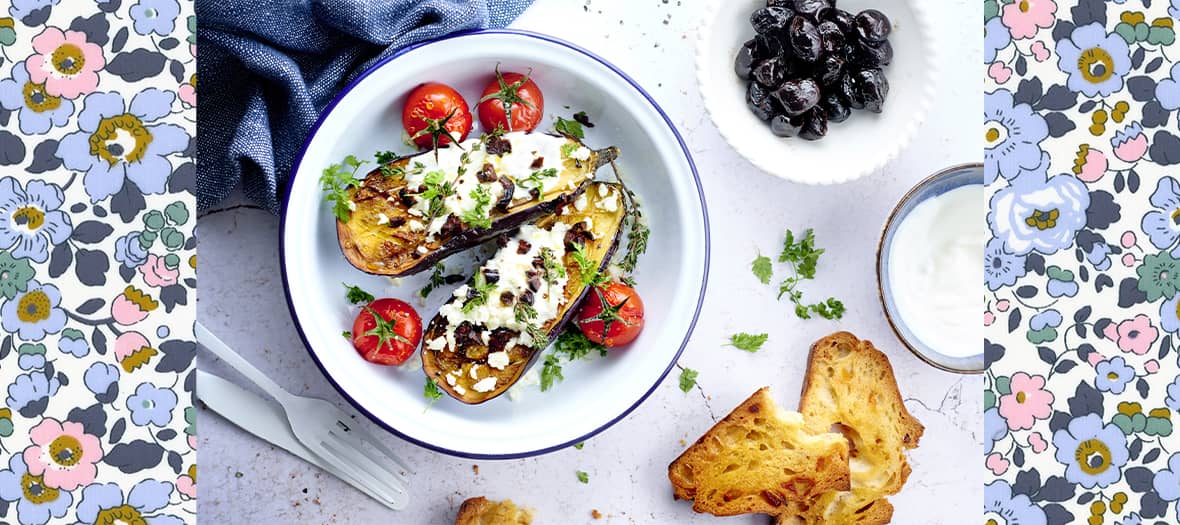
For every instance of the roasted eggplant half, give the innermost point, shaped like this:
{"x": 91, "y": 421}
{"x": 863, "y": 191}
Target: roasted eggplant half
{"x": 494, "y": 327}
{"x": 414, "y": 211}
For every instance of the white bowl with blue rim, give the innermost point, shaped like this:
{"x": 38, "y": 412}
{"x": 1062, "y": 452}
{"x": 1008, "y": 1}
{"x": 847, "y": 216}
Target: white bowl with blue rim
{"x": 860, "y": 145}
{"x": 366, "y": 117}
{"x": 937, "y": 184}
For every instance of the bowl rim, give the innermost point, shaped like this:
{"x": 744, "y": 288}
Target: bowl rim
{"x": 893, "y": 215}
{"x": 343, "y": 92}
{"x": 932, "y": 62}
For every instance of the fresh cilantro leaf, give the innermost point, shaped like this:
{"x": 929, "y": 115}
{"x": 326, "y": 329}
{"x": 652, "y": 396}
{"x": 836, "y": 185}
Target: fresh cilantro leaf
{"x": 583, "y": 477}
{"x": 478, "y": 216}
{"x": 346, "y": 334}
{"x": 803, "y": 254}
{"x": 356, "y": 295}
{"x": 431, "y": 391}
{"x": 575, "y": 345}
{"x": 550, "y": 372}
{"x": 335, "y": 180}
{"x": 568, "y": 149}
{"x": 688, "y": 379}
{"x": 436, "y": 279}
{"x": 534, "y": 180}
{"x": 803, "y": 257}
{"x": 385, "y": 157}
{"x": 747, "y": 342}
{"x": 482, "y": 289}
{"x": 569, "y": 127}
{"x": 761, "y": 268}
{"x": 579, "y": 445}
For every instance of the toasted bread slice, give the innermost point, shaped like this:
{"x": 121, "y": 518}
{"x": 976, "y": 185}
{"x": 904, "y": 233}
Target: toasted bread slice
{"x": 850, "y": 387}
{"x": 759, "y": 459}
{"x": 482, "y": 511}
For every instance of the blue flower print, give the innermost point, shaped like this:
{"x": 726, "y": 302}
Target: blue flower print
{"x": 1013, "y": 134}
{"x": 1167, "y": 481}
{"x": 1039, "y": 215}
{"x": 151, "y": 405}
{"x": 31, "y": 356}
{"x": 1162, "y": 225}
{"x": 1093, "y": 454}
{"x": 1045, "y": 319}
{"x": 37, "y": 110}
{"x": 1000, "y": 505}
{"x": 995, "y": 427}
{"x": 73, "y": 342}
{"x": 30, "y": 221}
{"x": 129, "y": 251}
{"x": 1167, "y": 91}
{"x": 1131, "y": 519}
{"x": 155, "y": 16}
{"x": 1095, "y": 61}
{"x": 1174, "y": 11}
{"x": 1113, "y": 375}
{"x": 29, "y": 394}
{"x": 1099, "y": 257}
{"x": 1170, "y": 314}
{"x": 1001, "y": 268}
{"x": 31, "y": 12}
{"x": 117, "y": 144}
{"x": 100, "y": 377}
{"x": 1173, "y": 399}
{"x": 35, "y": 503}
{"x": 995, "y": 38}
{"x": 33, "y": 314}
{"x": 1058, "y": 288}
{"x": 103, "y": 502}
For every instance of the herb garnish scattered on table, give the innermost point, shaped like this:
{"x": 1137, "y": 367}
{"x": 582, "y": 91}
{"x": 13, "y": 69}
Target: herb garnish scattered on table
{"x": 761, "y": 268}
{"x": 803, "y": 257}
{"x": 583, "y": 477}
{"x": 431, "y": 391}
{"x": 356, "y": 295}
{"x": 747, "y": 342}
{"x": 335, "y": 180}
{"x": 688, "y": 379}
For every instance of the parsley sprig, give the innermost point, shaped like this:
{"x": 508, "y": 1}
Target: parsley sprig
{"x": 587, "y": 267}
{"x": 436, "y": 192}
{"x": 762, "y": 269}
{"x": 482, "y": 288}
{"x": 335, "y": 180}
{"x": 478, "y": 216}
{"x": 803, "y": 256}
{"x": 747, "y": 342}
{"x": 356, "y": 295}
{"x": 535, "y": 180}
{"x": 437, "y": 278}
{"x": 688, "y": 379}
{"x": 573, "y": 345}
{"x": 431, "y": 391}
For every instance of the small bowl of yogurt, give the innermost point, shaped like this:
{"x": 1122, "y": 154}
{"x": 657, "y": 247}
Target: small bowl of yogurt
{"x": 928, "y": 269}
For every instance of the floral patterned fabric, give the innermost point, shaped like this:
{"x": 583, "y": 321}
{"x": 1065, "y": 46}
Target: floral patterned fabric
{"x": 97, "y": 262}
{"x": 1082, "y": 268}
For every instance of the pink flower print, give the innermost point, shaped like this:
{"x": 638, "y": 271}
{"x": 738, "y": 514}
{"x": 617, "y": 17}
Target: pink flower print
{"x": 63, "y": 454}
{"x": 1027, "y": 402}
{"x": 1090, "y": 164}
{"x": 1039, "y": 51}
{"x": 999, "y": 72}
{"x": 1002, "y": 305}
{"x": 1128, "y": 239}
{"x": 1130, "y": 143}
{"x": 1128, "y": 260}
{"x": 1025, "y": 17}
{"x": 988, "y": 318}
{"x": 1037, "y": 442}
{"x": 1094, "y": 358}
{"x": 132, "y": 351}
{"x": 1136, "y": 335}
{"x": 186, "y": 484}
{"x": 65, "y": 62}
{"x": 1151, "y": 366}
{"x": 156, "y": 273}
{"x": 997, "y": 464}
{"x": 188, "y": 92}
{"x": 132, "y": 306}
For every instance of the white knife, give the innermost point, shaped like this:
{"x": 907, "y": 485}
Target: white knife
{"x": 257, "y": 416}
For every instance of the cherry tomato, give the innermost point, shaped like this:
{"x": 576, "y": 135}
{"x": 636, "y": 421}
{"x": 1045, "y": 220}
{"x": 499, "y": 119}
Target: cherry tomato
{"x": 612, "y": 315}
{"x": 436, "y": 115}
{"x": 522, "y": 97}
{"x": 387, "y": 331}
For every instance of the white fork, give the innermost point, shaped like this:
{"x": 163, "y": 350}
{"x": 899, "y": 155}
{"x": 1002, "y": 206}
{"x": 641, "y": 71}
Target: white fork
{"x": 326, "y": 430}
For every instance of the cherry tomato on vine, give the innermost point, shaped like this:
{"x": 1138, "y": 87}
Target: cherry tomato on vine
{"x": 612, "y": 315}
{"x": 512, "y": 102}
{"x": 436, "y": 115}
{"x": 387, "y": 331}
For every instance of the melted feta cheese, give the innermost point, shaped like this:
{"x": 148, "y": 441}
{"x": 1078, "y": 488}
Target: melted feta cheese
{"x": 436, "y": 344}
{"x": 580, "y": 202}
{"x": 474, "y": 371}
{"x": 498, "y": 360}
{"x": 382, "y": 219}
{"x": 582, "y": 153}
{"x": 486, "y": 384}
{"x": 530, "y": 378}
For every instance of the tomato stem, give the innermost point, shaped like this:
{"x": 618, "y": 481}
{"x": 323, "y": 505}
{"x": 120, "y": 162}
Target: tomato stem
{"x": 437, "y": 127}
{"x": 609, "y": 314}
{"x": 384, "y": 331}
{"x": 509, "y": 94}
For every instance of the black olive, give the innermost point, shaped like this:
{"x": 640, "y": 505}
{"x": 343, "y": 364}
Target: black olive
{"x": 805, "y": 40}
{"x": 780, "y": 3}
{"x": 509, "y": 188}
{"x": 797, "y": 96}
{"x": 758, "y": 100}
{"x": 744, "y": 61}
{"x": 771, "y": 72}
{"x": 770, "y": 20}
{"x": 828, "y": 70}
{"x": 768, "y": 47}
{"x": 831, "y": 38}
{"x": 785, "y": 126}
{"x": 815, "y": 125}
{"x": 491, "y": 276}
{"x": 811, "y": 8}
{"x": 872, "y": 25}
{"x": 836, "y": 107}
{"x": 847, "y": 89}
{"x": 487, "y": 173}
{"x": 869, "y": 54}
{"x": 871, "y": 87}
{"x": 843, "y": 19}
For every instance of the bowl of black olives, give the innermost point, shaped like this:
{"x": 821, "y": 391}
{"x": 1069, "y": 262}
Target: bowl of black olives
{"x": 817, "y": 91}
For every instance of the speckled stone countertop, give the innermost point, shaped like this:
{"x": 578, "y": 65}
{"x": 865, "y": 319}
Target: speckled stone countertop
{"x": 244, "y": 480}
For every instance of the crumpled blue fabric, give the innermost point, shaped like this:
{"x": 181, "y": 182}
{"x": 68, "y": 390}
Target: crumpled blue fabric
{"x": 268, "y": 67}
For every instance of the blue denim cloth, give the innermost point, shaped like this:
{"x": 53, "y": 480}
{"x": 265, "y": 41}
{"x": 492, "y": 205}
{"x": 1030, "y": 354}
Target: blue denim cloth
{"x": 268, "y": 67}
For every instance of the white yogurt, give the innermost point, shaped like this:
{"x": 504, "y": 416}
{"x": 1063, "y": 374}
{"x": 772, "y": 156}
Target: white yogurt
{"x": 934, "y": 260}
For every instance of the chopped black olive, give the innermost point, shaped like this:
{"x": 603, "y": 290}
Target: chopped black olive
{"x": 451, "y": 227}
{"x": 397, "y": 222}
{"x": 523, "y": 247}
{"x": 498, "y": 341}
{"x": 507, "y": 298}
{"x": 498, "y": 146}
{"x": 506, "y": 198}
{"x": 491, "y": 276}
{"x": 487, "y": 173}
{"x": 526, "y": 297}
{"x": 537, "y": 163}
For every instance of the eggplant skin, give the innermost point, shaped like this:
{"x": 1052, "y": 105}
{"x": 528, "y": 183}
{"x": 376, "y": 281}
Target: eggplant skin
{"x": 437, "y": 364}
{"x": 398, "y": 251}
